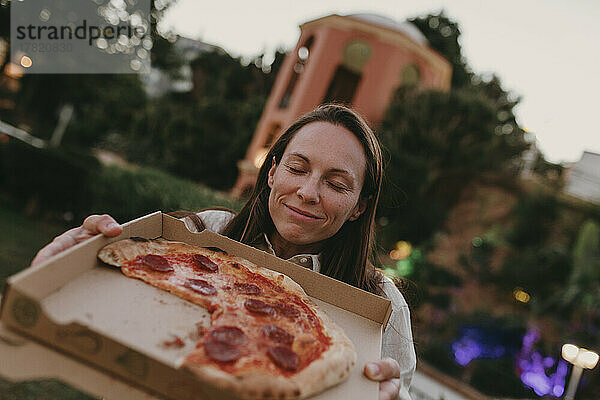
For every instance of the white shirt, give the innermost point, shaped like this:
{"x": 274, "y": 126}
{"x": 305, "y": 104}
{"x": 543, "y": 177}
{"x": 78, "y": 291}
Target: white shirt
{"x": 397, "y": 336}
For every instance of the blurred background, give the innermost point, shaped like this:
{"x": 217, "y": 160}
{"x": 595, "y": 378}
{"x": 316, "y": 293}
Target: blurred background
{"x": 490, "y": 214}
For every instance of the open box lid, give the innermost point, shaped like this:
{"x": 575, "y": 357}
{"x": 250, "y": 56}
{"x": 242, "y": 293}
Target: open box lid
{"x": 65, "y": 292}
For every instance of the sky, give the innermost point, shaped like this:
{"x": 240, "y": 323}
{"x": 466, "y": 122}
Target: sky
{"x": 545, "y": 52}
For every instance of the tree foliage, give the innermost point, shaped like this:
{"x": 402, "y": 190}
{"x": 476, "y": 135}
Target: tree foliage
{"x": 223, "y": 77}
{"x": 437, "y": 143}
{"x": 583, "y": 288}
{"x": 163, "y": 55}
{"x": 103, "y": 103}
{"x": 440, "y": 142}
{"x": 199, "y": 143}
{"x": 443, "y": 35}
{"x": 202, "y": 138}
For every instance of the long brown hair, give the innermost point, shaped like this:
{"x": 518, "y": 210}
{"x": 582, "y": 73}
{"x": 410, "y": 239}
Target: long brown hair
{"x": 347, "y": 255}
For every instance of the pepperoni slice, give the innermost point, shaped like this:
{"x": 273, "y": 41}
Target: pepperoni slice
{"x": 157, "y": 263}
{"x": 284, "y": 357}
{"x": 278, "y": 334}
{"x": 247, "y": 288}
{"x": 200, "y": 286}
{"x": 222, "y": 352}
{"x": 286, "y": 310}
{"x": 259, "y": 307}
{"x": 228, "y": 334}
{"x": 204, "y": 263}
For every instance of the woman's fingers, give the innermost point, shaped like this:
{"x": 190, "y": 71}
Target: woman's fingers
{"x": 388, "y": 390}
{"x": 382, "y": 370}
{"x": 104, "y": 224}
{"x": 59, "y": 244}
{"x": 92, "y": 225}
{"x": 387, "y": 373}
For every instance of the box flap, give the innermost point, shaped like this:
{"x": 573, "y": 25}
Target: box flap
{"x": 34, "y": 282}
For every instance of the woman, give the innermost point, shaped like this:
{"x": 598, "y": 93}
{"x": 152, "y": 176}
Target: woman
{"x": 314, "y": 203}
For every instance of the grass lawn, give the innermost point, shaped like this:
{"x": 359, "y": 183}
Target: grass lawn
{"x": 20, "y": 238}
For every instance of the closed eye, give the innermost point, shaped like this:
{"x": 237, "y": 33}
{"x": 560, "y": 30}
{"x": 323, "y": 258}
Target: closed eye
{"x": 337, "y": 186}
{"x": 294, "y": 170}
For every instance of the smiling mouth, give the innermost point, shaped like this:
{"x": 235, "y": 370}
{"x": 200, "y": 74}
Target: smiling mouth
{"x": 304, "y": 213}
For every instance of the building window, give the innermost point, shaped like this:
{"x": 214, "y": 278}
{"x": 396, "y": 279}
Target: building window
{"x": 356, "y": 54}
{"x": 411, "y": 76}
{"x": 342, "y": 86}
{"x": 347, "y": 76}
{"x": 302, "y": 58}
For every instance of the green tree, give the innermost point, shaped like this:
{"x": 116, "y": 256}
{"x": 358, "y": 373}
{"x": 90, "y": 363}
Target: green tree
{"x": 226, "y": 78}
{"x": 103, "y": 103}
{"x": 437, "y": 143}
{"x": 202, "y": 138}
{"x": 440, "y": 142}
{"x": 163, "y": 55}
{"x": 583, "y": 289}
{"x": 199, "y": 142}
{"x": 443, "y": 35}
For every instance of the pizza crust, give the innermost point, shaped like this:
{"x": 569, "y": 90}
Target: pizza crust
{"x": 330, "y": 368}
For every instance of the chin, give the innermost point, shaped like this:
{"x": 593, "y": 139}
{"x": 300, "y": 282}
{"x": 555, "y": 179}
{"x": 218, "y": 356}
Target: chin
{"x": 296, "y": 238}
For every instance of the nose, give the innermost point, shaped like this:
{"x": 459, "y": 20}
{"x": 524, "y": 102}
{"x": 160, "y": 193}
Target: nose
{"x": 309, "y": 190}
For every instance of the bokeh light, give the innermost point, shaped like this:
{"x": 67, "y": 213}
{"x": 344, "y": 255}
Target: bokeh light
{"x": 26, "y": 62}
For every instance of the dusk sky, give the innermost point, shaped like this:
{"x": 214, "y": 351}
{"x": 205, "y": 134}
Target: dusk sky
{"x": 546, "y": 52}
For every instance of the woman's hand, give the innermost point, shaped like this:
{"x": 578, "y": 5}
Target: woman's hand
{"x": 387, "y": 373}
{"x": 93, "y": 225}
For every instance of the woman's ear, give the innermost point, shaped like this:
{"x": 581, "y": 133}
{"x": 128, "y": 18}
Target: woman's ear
{"x": 360, "y": 208}
{"x": 271, "y": 174}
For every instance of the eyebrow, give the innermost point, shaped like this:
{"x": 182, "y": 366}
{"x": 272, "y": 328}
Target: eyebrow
{"x": 335, "y": 170}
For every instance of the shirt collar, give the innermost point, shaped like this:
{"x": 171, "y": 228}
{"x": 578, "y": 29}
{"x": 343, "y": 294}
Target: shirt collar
{"x": 310, "y": 261}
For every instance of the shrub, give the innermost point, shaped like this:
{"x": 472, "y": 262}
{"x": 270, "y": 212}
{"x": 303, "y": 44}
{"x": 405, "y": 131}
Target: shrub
{"x": 535, "y": 216}
{"x": 48, "y": 179}
{"x": 68, "y": 181}
{"x": 126, "y": 194}
{"x": 202, "y": 143}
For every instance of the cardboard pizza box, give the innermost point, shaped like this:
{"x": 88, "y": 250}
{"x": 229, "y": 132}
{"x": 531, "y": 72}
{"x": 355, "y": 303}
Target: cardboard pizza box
{"x": 25, "y": 360}
{"x": 78, "y": 306}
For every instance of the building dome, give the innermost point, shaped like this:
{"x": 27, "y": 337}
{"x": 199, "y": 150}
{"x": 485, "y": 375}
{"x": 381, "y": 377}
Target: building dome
{"x": 405, "y": 27}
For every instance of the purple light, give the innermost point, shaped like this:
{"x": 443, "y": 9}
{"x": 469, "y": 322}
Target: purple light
{"x": 529, "y": 340}
{"x": 466, "y": 350}
{"x": 469, "y": 347}
{"x": 557, "y": 391}
{"x": 533, "y": 366}
{"x": 537, "y": 382}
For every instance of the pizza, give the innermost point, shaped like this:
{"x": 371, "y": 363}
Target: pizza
{"x": 266, "y": 340}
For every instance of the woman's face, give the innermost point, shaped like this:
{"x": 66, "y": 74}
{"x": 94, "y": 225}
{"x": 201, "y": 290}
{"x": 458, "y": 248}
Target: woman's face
{"x": 316, "y": 187}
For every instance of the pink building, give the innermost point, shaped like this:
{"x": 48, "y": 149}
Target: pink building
{"x": 359, "y": 60}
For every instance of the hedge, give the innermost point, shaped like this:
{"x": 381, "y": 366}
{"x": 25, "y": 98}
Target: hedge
{"x": 46, "y": 179}
{"x": 72, "y": 181}
{"x": 129, "y": 193}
